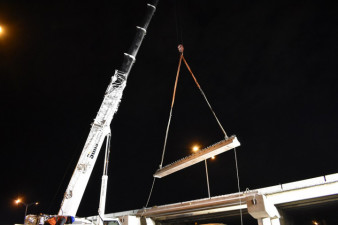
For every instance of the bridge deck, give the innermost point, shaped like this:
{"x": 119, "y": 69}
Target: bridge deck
{"x": 305, "y": 193}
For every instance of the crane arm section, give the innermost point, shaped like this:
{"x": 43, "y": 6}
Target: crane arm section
{"x": 101, "y": 125}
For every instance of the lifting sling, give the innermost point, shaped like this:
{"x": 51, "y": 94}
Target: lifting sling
{"x": 218, "y": 148}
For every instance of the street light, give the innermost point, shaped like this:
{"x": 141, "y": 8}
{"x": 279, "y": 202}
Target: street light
{"x": 26, "y": 205}
{"x": 2, "y": 31}
{"x": 195, "y": 148}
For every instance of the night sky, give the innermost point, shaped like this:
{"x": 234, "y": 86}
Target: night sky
{"x": 268, "y": 69}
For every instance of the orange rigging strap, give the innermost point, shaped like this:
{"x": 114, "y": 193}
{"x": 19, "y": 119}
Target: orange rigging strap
{"x": 181, "y": 49}
{"x": 198, "y": 85}
{"x": 178, "y": 73}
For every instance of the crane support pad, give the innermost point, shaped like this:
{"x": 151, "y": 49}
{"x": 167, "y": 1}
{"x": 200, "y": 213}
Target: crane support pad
{"x": 199, "y": 156}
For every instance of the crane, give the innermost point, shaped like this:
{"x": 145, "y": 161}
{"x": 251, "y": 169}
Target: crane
{"x": 100, "y": 128}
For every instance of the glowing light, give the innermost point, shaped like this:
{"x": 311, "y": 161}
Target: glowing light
{"x": 213, "y": 157}
{"x": 315, "y": 222}
{"x": 2, "y": 31}
{"x": 18, "y": 201}
{"x": 195, "y": 148}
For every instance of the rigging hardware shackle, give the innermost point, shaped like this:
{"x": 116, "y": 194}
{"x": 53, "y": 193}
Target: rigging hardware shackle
{"x": 180, "y": 48}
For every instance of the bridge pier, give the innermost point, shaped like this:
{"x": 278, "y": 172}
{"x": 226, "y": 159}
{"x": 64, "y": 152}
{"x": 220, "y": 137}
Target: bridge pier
{"x": 264, "y": 211}
{"x": 268, "y": 221}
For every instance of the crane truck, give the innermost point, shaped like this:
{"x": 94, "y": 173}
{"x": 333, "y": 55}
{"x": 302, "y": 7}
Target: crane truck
{"x": 100, "y": 130}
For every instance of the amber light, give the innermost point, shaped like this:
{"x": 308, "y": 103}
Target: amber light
{"x": 195, "y": 148}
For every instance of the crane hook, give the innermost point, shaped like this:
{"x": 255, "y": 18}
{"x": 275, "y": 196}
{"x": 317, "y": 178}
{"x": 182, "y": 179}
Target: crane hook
{"x": 180, "y": 48}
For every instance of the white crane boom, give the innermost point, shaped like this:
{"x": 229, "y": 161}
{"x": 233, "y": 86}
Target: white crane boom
{"x": 100, "y": 128}
{"x": 101, "y": 125}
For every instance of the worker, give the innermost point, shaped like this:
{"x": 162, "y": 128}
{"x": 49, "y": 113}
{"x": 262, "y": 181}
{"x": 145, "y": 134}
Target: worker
{"x": 51, "y": 221}
{"x": 61, "y": 220}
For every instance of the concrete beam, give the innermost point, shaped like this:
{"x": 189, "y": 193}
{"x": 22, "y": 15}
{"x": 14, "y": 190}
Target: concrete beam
{"x": 209, "y": 205}
{"x": 199, "y": 156}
